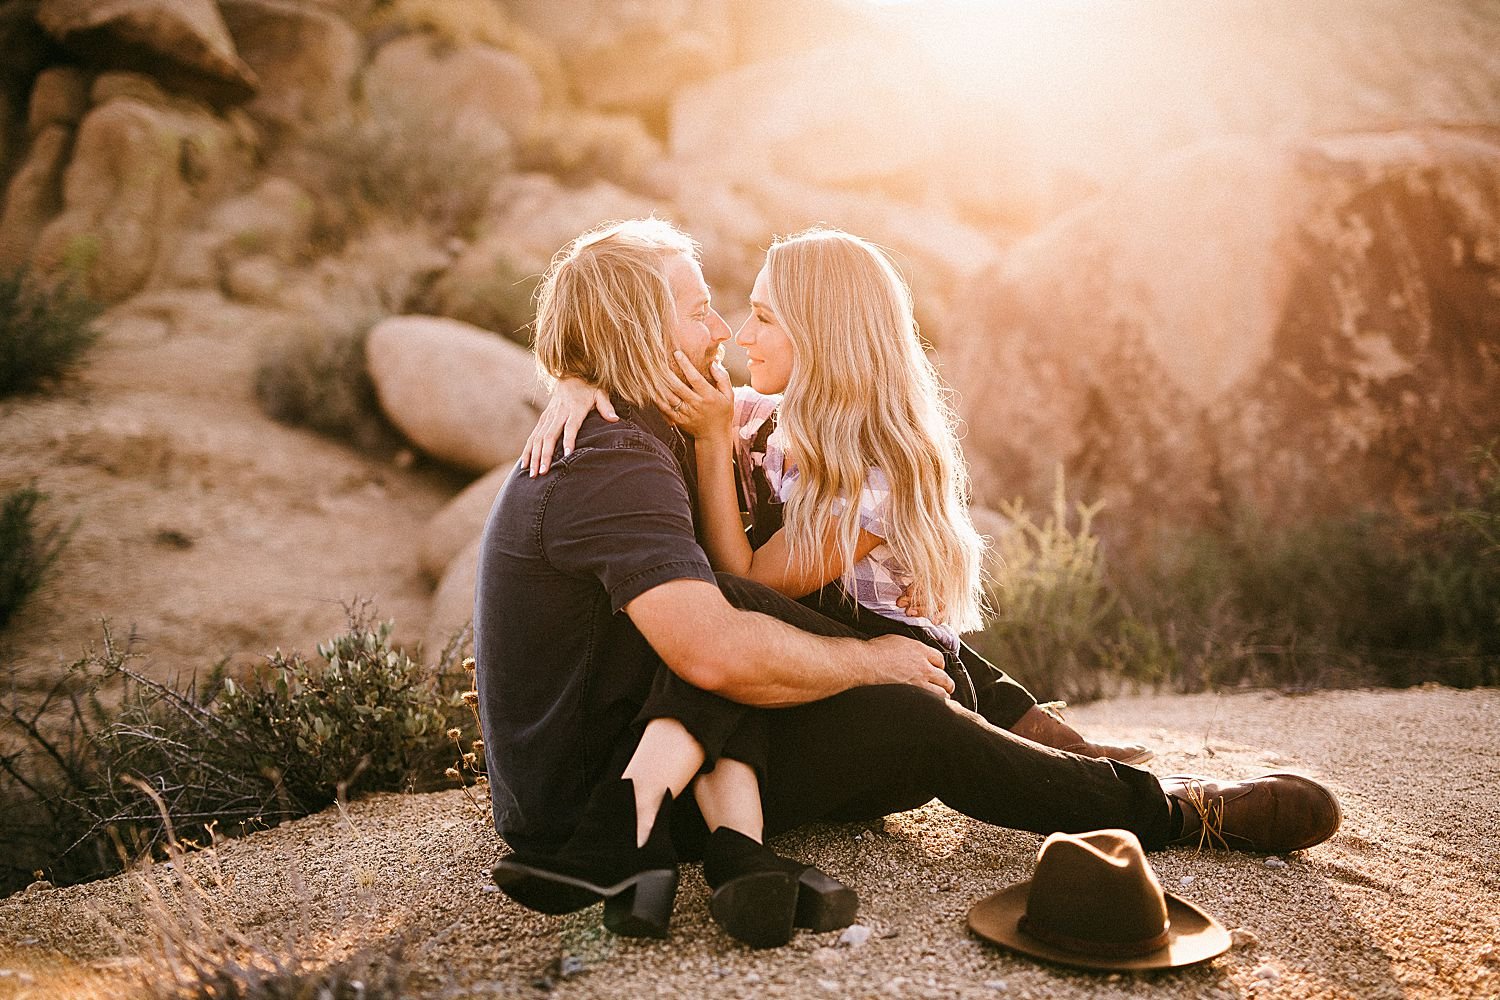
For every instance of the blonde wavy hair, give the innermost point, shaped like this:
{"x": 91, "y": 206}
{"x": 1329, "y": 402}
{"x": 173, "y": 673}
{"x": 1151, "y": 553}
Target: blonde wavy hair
{"x": 862, "y": 394}
{"x": 605, "y": 311}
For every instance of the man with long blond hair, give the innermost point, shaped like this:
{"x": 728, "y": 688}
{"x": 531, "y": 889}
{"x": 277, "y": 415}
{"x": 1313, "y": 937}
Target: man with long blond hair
{"x": 616, "y": 669}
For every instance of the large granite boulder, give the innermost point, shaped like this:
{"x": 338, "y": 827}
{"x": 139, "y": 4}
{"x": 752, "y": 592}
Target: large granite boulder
{"x": 838, "y": 115}
{"x": 27, "y": 49}
{"x": 142, "y": 166}
{"x": 184, "y": 44}
{"x": 461, "y": 394}
{"x": 475, "y": 95}
{"x": 34, "y": 195}
{"x": 1291, "y": 328}
{"x": 530, "y": 218}
{"x": 453, "y": 601}
{"x": 306, "y": 56}
{"x": 460, "y": 521}
{"x": 632, "y": 56}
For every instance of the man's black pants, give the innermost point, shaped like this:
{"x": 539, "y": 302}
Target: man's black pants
{"x": 877, "y": 750}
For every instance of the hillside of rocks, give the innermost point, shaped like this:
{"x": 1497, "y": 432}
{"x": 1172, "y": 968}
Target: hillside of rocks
{"x": 1204, "y": 259}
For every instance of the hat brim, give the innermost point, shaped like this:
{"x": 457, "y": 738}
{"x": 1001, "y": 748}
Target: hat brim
{"x": 1193, "y": 936}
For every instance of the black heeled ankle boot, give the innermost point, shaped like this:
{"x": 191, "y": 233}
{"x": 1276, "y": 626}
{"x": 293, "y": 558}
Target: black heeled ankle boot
{"x": 759, "y": 896}
{"x": 601, "y": 861}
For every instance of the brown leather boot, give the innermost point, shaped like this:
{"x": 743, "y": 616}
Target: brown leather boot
{"x": 1044, "y": 724}
{"x": 1274, "y": 813}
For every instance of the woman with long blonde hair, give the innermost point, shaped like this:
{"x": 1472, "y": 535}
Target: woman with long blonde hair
{"x": 843, "y": 402}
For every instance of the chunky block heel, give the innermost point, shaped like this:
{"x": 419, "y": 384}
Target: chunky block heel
{"x": 644, "y": 907}
{"x": 824, "y": 903}
{"x": 757, "y": 909}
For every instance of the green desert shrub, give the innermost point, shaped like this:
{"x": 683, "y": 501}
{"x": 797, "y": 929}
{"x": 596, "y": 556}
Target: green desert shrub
{"x": 315, "y": 377}
{"x": 393, "y": 167}
{"x": 1369, "y": 597}
{"x": 27, "y": 548}
{"x": 1050, "y": 599}
{"x": 44, "y": 330}
{"x": 288, "y": 740}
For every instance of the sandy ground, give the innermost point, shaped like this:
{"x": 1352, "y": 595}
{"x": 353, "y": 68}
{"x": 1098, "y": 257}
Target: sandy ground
{"x": 208, "y": 528}
{"x": 1403, "y": 902}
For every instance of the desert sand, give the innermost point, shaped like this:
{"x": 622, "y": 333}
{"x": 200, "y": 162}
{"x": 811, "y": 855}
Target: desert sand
{"x": 1403, "y": 902}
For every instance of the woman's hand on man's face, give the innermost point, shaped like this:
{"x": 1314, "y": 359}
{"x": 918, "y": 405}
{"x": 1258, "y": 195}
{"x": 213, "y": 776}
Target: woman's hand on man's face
{"x": 571, "y": 401}
{"x": 696, "y": 406}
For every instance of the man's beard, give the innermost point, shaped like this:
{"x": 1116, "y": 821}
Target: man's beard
{"x": 715, "y": 356}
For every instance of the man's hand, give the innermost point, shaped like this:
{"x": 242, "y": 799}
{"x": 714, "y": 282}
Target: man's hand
{"x": 571, "y": 401}
{"x": 895, "y": 659}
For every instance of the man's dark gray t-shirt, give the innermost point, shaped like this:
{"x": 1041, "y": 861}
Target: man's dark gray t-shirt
{"x": 562, "y": 671}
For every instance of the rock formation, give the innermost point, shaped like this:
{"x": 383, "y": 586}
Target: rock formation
{"x": 1294, "y": 328}
{"x": 182, "y": 43}
{"x": 459, "y": 393}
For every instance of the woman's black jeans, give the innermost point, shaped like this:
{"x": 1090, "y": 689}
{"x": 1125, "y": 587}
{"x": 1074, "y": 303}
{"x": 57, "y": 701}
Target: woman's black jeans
{"x": 882, "y": 749}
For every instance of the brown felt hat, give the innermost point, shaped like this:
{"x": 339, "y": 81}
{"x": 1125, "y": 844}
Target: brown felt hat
{"x": 1095, "y": 903}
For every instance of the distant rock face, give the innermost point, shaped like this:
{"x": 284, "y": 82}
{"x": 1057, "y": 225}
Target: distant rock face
{"x": 182, "y": 43}
{"x": 305, "y": 55}
{"x": 794, "y": 118}
{"x": 1292, "y": 328}
{"x": 632, "y": 56}
{"x": 531, "y": 217}
{"x": 461, "y": 394}
{"x": 475, "y": 94}
{"x": 142, "y": 164}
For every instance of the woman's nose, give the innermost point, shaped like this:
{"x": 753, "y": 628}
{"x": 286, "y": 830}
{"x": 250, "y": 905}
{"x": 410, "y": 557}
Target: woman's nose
{"x": 744, "y": 336}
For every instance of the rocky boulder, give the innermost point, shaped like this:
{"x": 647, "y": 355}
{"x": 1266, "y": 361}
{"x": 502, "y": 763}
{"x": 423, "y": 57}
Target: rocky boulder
{"x": 461, "y": 394}
{"x": 460, "y": 521}
{"x": 1291, "y": 328}
{"x": 34, "y": 195}
{"x": 184, "y": 44}
{"x": 632, "y": 56}
{"x": 305, "y": 55}
{"x": 530, "y": 218}
{"x": 142, "y": 166}
{"x": 453, "y": 601}
{"x": 474, "y": 95}
{"x": 838, "y": 115}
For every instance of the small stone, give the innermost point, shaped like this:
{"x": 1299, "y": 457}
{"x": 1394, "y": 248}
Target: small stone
{"x": 1267, "y": 974}
{"x": 752, "y": 977}
{"x": 1187, "y": 880}
{"x": 829, "y": 986}
{"x": 489, "y": 887}
{"x": 1242, "y": 938}
{"x": 894, "y": 986}
{"x": 854, "y": 936}
{"x": 998, "y": 985}
{"x": 1274, "y": 863}
{"x": 571, "y": 965}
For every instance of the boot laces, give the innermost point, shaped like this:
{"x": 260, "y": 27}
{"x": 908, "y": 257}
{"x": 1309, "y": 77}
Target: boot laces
{"x": 1054, "y": 709}
{"x": 1210, "y": 815}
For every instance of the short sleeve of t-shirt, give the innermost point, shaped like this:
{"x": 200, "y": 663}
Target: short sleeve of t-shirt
{"x": 622, "y": 516}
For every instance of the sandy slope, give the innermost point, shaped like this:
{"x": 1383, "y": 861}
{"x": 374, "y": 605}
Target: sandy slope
{"x": 1403, "y": 902}
{"x": 211, "y": 529}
